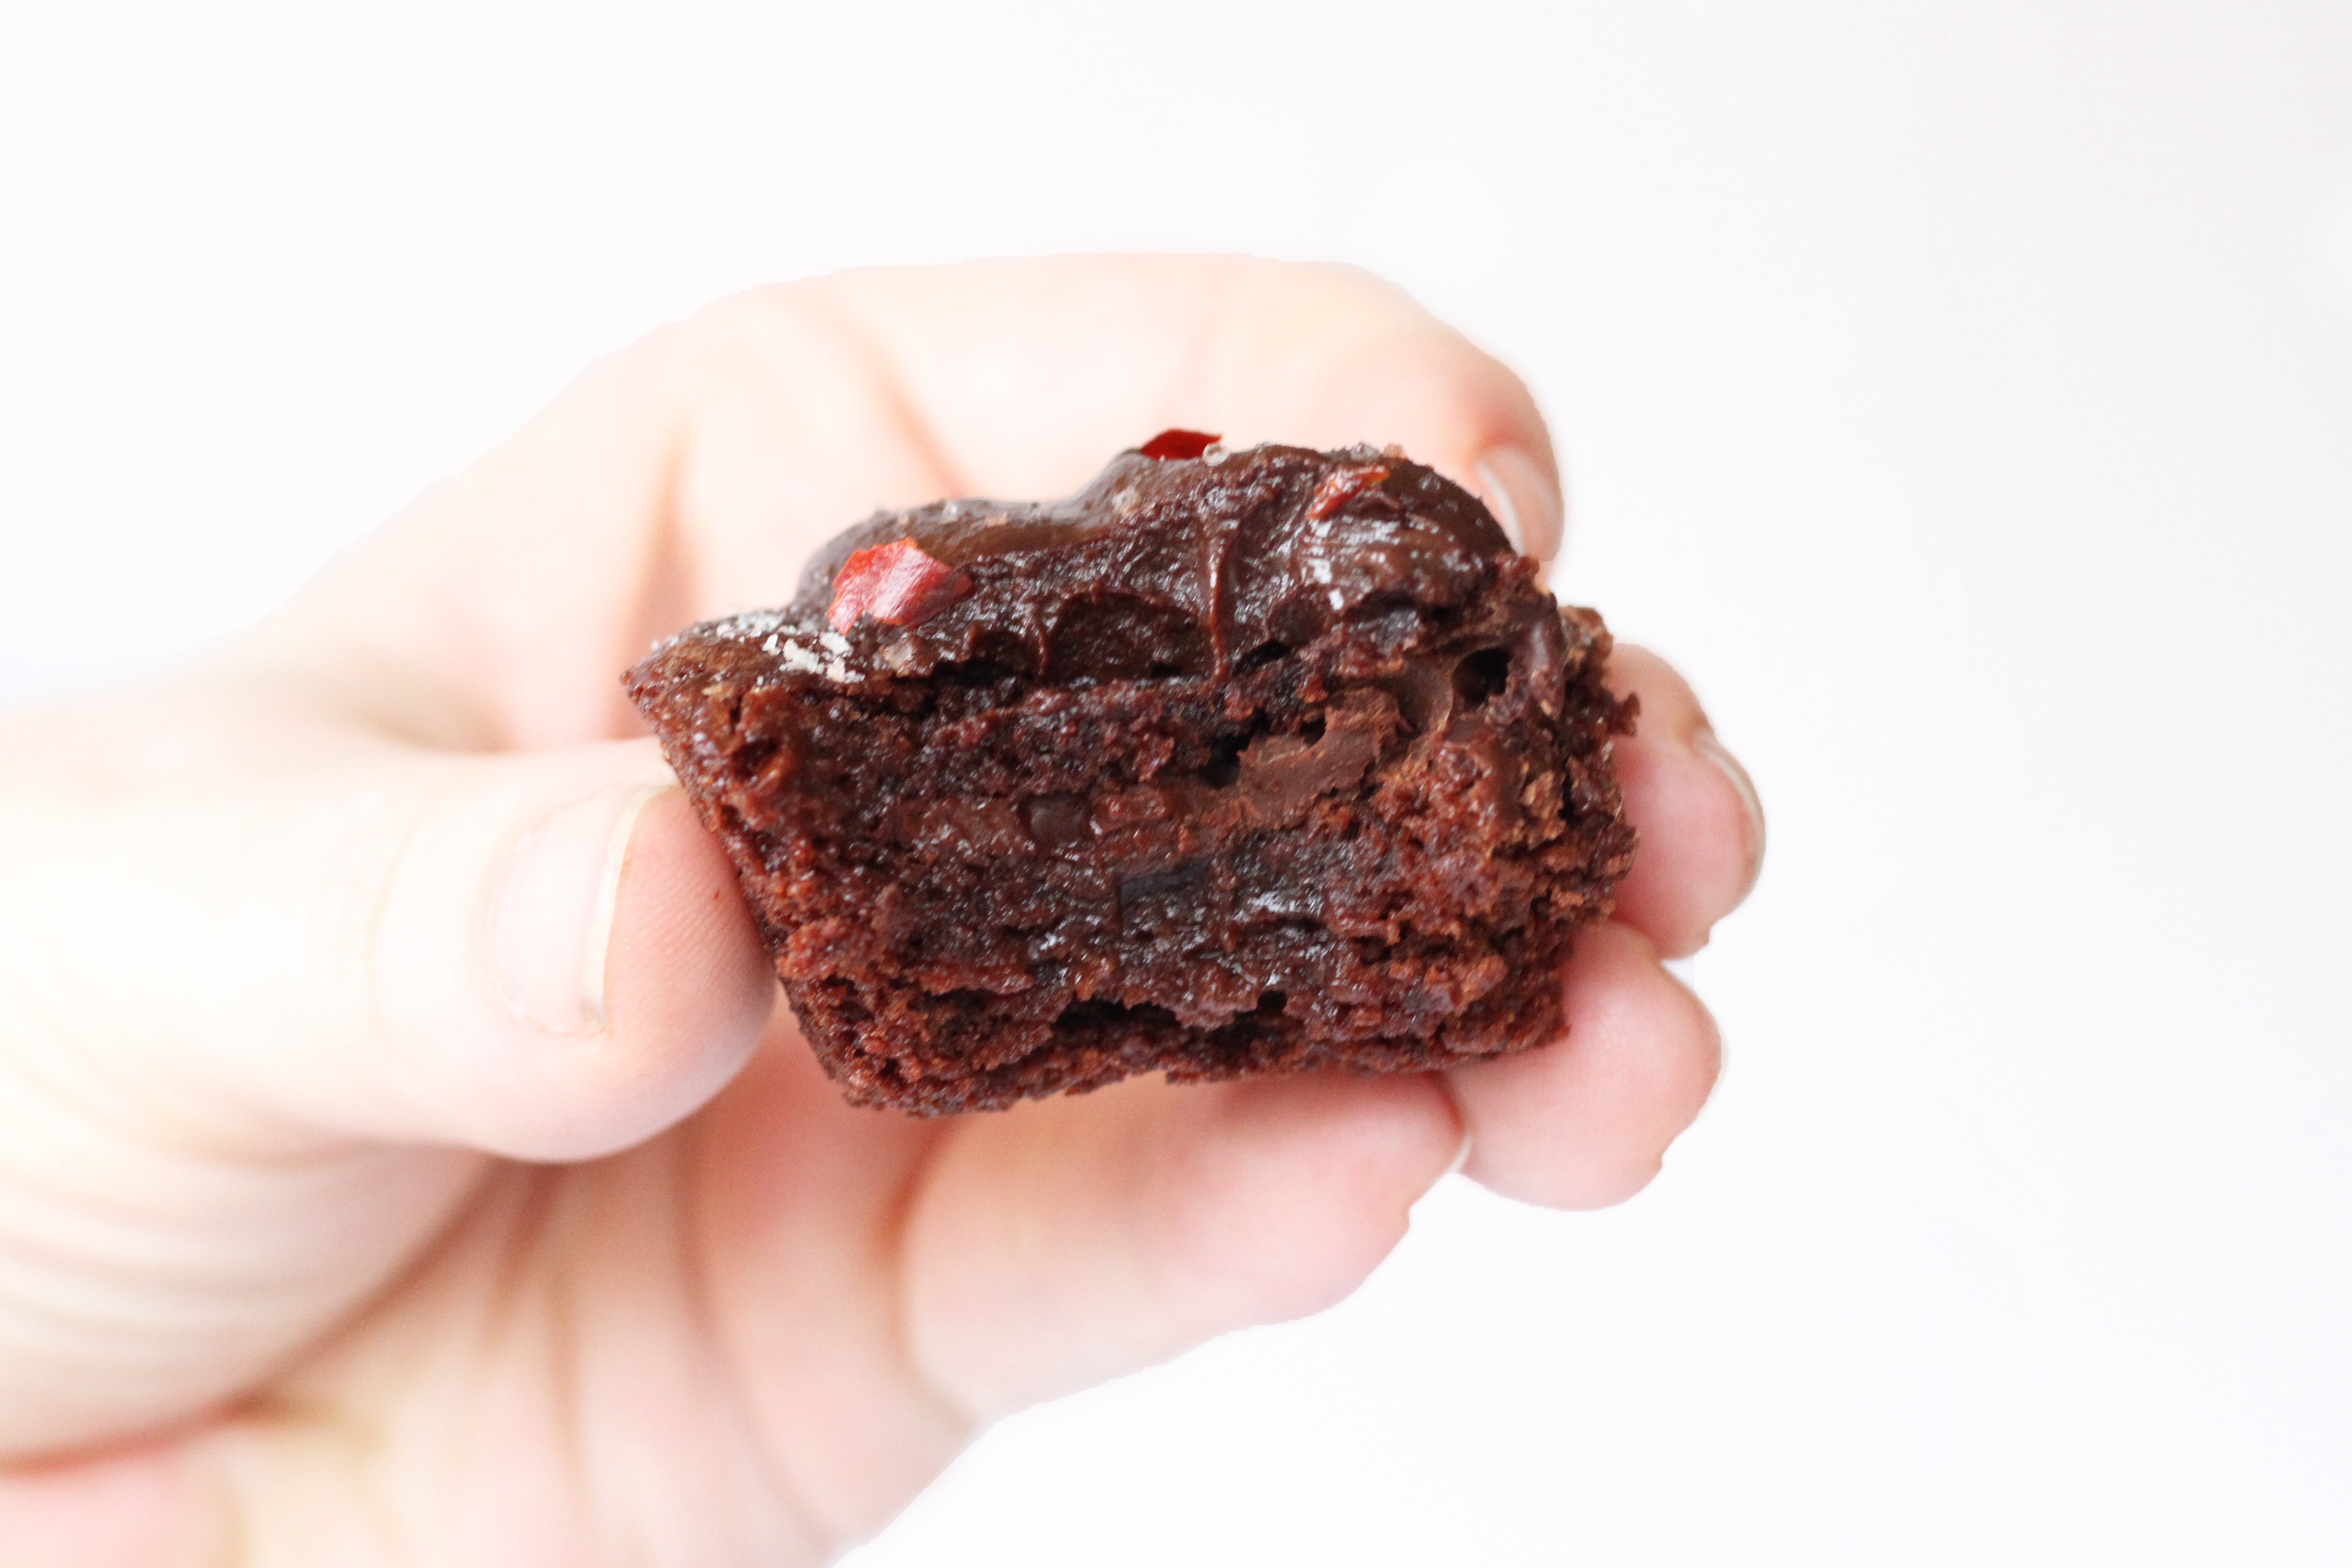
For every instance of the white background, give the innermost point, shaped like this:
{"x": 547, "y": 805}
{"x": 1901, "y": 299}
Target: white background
{"x": 1962, "y": 392}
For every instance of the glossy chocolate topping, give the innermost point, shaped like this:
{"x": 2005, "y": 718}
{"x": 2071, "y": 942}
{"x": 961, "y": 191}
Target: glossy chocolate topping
{"x": 1182, "y": 566}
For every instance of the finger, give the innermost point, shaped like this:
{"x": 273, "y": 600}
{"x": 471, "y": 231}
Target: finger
{"x": 539, "y": 955}
{"x": 516, "y": 593}
{"x": 694, "y": 472}
{"x": 1027, "y": 375}
{"x": 1071, "y": 1241}
{"x": 1701, "y": 825}
{"x": 796, "y": 1201}
{"x": 1585, "y": 1123}
{"x": 498, "y": 607}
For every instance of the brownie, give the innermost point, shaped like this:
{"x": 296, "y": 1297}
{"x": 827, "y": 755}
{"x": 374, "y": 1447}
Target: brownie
{"x": 1233, "y": 762}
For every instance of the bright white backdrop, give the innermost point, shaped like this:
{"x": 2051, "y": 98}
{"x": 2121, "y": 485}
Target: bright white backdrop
{"x": 1961, "y": 392}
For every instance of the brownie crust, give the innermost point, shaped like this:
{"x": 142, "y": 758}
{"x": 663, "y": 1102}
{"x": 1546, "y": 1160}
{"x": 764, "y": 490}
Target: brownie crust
{"x": 1232, "y": 763}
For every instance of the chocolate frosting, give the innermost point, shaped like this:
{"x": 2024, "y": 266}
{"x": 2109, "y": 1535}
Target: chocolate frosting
{"x": 1180, "y": 566}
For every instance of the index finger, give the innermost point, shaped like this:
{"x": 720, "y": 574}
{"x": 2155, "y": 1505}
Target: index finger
{"x": 693, "y": 473}
{"x": 1027, "y": 376}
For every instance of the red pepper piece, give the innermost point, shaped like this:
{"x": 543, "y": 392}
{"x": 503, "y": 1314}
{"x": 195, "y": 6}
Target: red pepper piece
{"x": 1171, "y": 443}
{"x": 896, "y": 583}
{"x": 1341, "y": 486}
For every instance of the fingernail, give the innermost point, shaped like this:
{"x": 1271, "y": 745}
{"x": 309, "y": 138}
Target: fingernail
{"x": 556, "y": 913}
{"x": 1524, "y": 498}
{"x": 1704, "y": 743}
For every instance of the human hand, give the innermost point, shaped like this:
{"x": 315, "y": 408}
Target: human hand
{"x": 402, "y": 1157}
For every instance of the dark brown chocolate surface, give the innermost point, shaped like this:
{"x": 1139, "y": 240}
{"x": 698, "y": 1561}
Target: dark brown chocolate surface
{"x": 1231, "y": 764}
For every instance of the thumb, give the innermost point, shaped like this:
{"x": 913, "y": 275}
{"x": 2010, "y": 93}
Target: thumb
{"x": 539, "y": 955}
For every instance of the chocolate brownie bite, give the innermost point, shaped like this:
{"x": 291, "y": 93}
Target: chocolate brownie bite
{"x": 1232, "y": 763}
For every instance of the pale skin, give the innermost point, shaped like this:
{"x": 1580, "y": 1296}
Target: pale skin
{"x": 404, "y": 1154}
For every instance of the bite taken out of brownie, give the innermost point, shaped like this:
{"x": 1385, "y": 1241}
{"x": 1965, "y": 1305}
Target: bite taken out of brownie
{"x": 1233, "y": 762}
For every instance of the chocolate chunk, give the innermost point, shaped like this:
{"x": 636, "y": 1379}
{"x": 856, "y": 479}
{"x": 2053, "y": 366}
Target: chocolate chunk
{"x": 1232, "y": 763}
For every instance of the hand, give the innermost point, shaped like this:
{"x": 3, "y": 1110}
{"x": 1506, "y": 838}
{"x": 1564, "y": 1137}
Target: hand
{"x": 402, "y": 1155}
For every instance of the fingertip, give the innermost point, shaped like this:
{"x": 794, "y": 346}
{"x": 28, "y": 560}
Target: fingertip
{"x": 1457, "y": 409}
{"x": 633, "y": 982}
{"x": 689, "y": 987}
{"x": 1753, "y": 835}
{"x": 1523, "y": 492}
{"x": 1076, "y": 1240}
{"x": 1306, "y": 1184}
{"x": 1326, "y": 356}
{"x": 1700, "y": 848}
{"x": 1585, "y": 1123}
{"x": 1700, "y": 820}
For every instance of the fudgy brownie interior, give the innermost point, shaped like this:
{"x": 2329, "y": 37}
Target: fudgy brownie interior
{"x": 1233, "y": 762}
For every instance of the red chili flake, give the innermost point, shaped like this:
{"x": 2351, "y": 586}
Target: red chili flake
{"x": 1171, "y": 443}
{"x": 896, "y": 583}
{"x": 1341, "y": 486}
